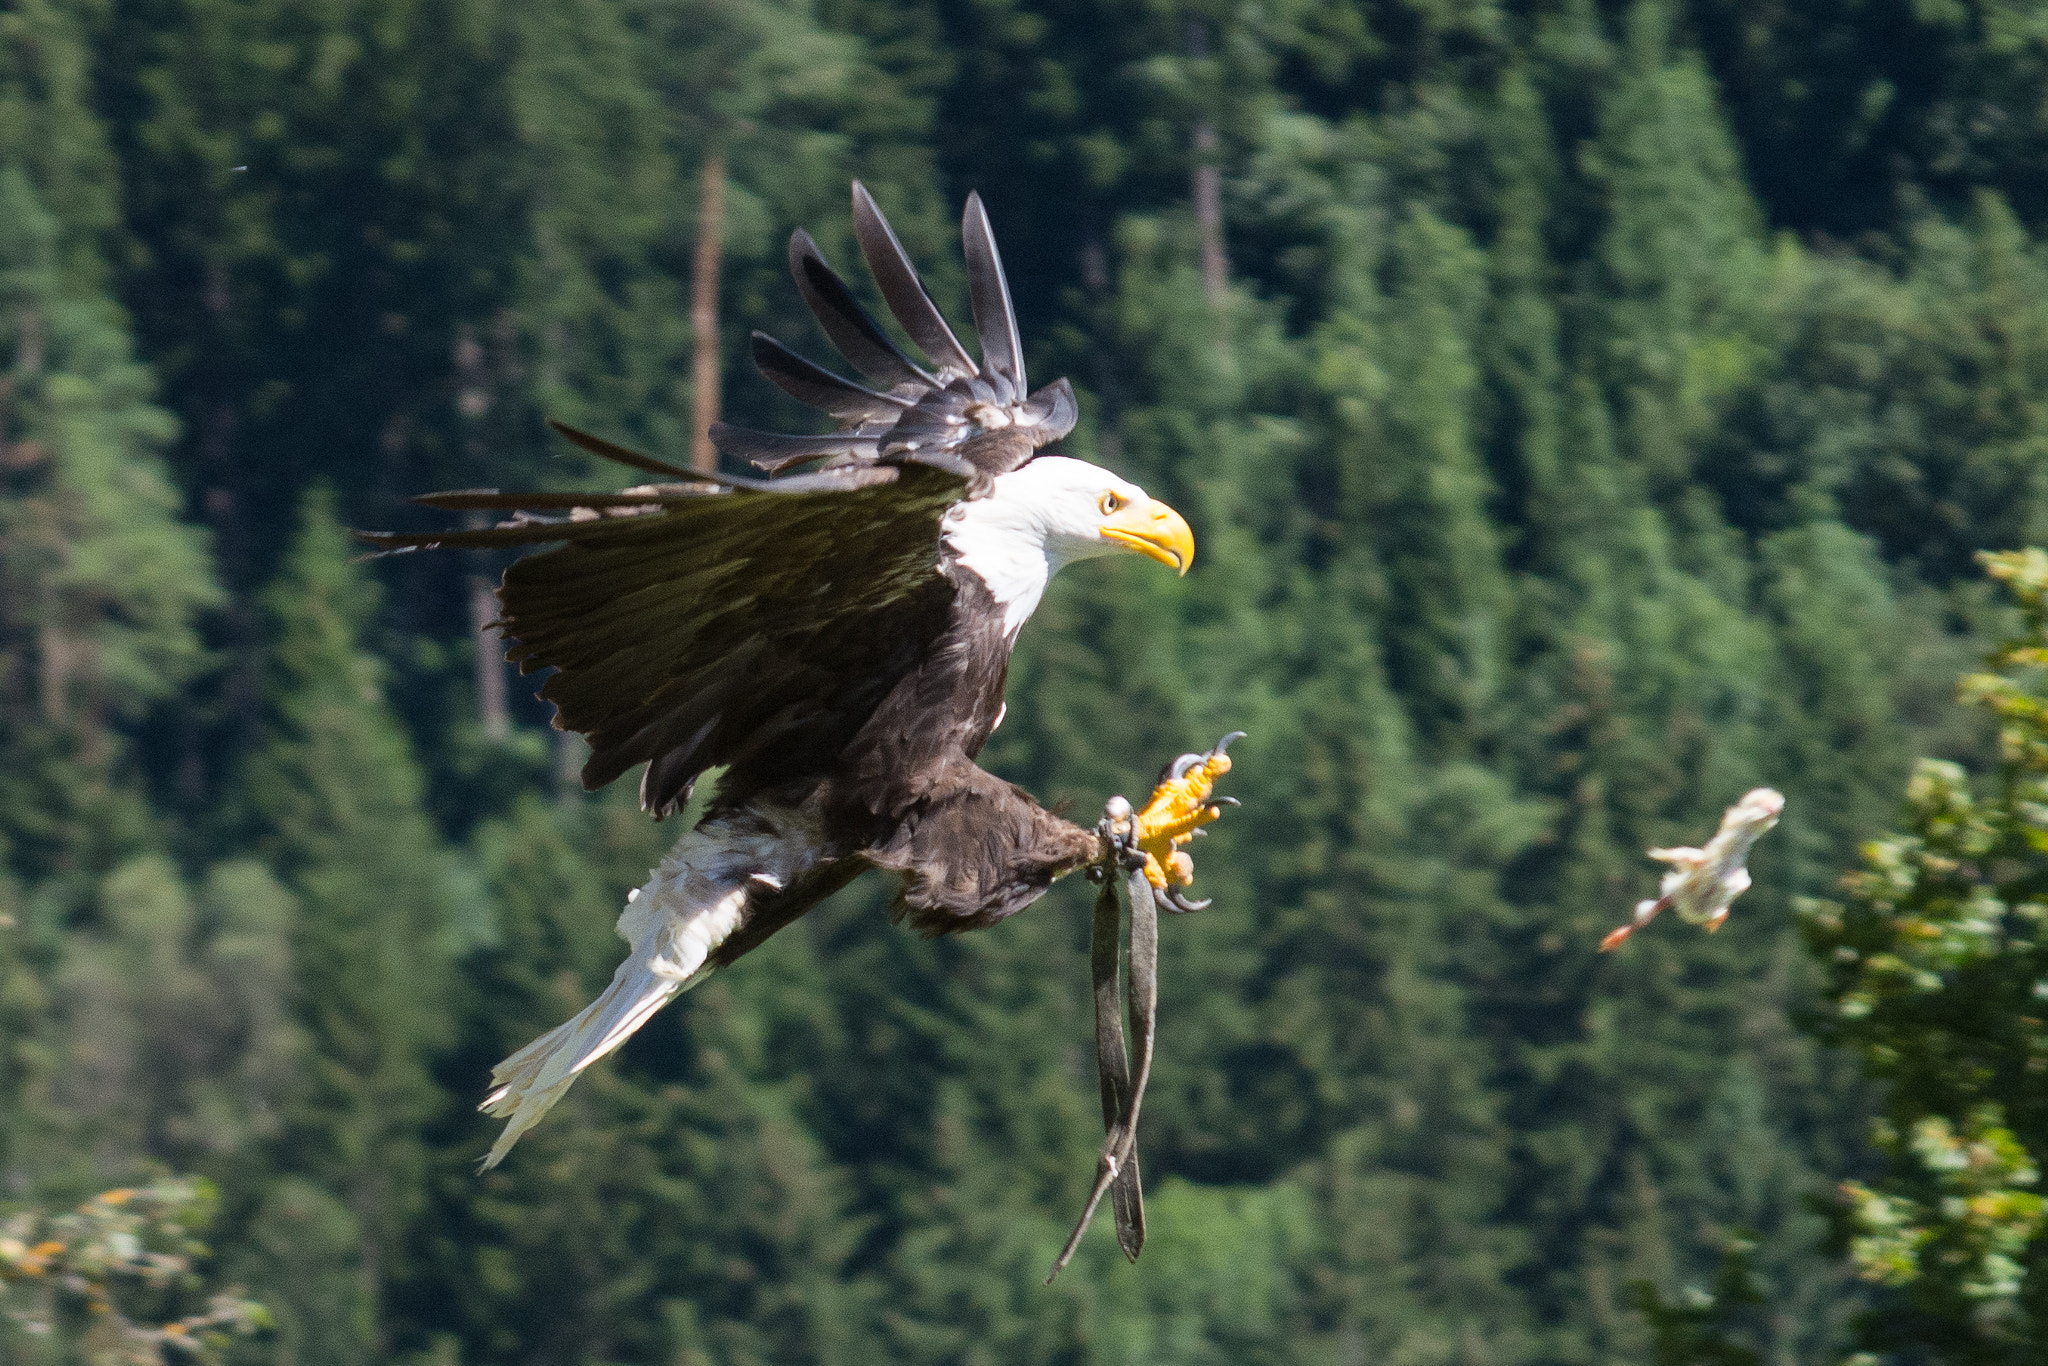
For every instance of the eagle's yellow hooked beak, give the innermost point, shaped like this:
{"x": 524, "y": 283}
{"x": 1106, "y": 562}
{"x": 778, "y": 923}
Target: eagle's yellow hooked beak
{"x": 1154, "y": 530}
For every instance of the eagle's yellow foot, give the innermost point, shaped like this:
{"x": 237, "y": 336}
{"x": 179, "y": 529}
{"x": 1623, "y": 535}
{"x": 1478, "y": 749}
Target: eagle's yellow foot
{"x": 1179, "y": 807}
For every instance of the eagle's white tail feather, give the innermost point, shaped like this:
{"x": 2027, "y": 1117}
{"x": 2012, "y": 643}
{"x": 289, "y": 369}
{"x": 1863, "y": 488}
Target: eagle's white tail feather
{"x": 527, "y": 1084}
{"x": 690, "y": 905}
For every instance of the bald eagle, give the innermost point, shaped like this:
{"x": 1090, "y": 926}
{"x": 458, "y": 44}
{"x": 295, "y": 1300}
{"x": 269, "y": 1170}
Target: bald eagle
{"x": 836, "y": 641}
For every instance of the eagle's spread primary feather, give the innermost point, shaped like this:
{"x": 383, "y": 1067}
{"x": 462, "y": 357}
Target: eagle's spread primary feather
{"x": 836, "y": 641}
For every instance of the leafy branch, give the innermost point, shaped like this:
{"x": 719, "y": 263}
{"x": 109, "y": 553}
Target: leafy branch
{"x": 117, "y": 1270}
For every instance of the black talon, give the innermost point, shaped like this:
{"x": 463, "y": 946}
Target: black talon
{"x": 1171, "y": 899}
{"x": 1223, "y": 745}
{"x": 1225, "y": 801}
{"x": 1178, "y": 768}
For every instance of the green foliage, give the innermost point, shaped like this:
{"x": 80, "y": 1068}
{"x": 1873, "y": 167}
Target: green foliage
{"x": 176, "y": 1037}
{"x": 1906, "y": 393}
{"x": 115, "y": 1281}
{"x": 99, "y": 580}
{"x": 1979, "y": 1222}
{"x": 1854, "y": 113}
{"x": 1932, "y": 963}
{"x": 50, "y": 133}
{"x": 1694, "y": 1331}
{"x": 24, "y": 1021}
{"x": 334, "y": 804}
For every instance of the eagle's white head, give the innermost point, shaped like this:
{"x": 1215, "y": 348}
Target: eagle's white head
{"x": 1051, "y": 512}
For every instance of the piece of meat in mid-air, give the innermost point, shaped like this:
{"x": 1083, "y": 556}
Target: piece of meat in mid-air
{"x": 1702, "y": 883}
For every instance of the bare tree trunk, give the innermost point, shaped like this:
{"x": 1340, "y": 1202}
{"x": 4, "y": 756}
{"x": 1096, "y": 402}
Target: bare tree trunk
{"x": 570, "y": 752}
{"x": 490, "y": 659}
{"x": 704, "y": 313}
{"x": 53, "y": 681}
{"x": 473, "y": 404}
{"x": 1108, "y": 391}
{"x": 1209, "y": 210}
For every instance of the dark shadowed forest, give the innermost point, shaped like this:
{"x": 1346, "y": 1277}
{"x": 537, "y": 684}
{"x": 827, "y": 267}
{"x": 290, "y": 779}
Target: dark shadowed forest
{"x": 1586, "y": 412}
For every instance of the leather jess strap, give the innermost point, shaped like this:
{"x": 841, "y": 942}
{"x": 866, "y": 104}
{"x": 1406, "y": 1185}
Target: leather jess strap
{"x": 1123, "y": 1073}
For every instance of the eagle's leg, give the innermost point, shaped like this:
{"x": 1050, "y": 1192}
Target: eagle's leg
{"x": 1179, "y": 807}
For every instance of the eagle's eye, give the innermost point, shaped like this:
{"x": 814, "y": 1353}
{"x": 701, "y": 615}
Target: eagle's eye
{"x": 1110, "y": 503}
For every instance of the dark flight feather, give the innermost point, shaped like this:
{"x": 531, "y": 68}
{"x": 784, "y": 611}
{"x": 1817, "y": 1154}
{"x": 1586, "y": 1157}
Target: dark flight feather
{"x": 820, "y": 388}
{"x": 1053, "y": 409}
{"x": 611, "y": 450}
{"x": 995, "y": 320}
{"x": 904, "y": 292}
{"x": 773, "y": 451}
{"x": 467, "y": 500}
{"x": 519, "y": 532}
{"x": 855, "y": 333}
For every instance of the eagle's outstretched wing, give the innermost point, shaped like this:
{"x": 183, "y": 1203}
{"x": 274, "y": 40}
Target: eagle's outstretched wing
{"x": 751, "y": 624}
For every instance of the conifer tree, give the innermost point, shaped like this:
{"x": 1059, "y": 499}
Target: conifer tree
{"x": 334, "y": 804}
{"x": 1643, "y": 684}
{"x": 24, "y": 1057}
{"x": 176, "y": 1045}
{"x": 50, "y": 132}
{"x": 99, "y": 581}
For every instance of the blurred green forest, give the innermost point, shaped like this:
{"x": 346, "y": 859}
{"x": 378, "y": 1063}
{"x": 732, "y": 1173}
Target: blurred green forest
{"x": 1587, "y": 409}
